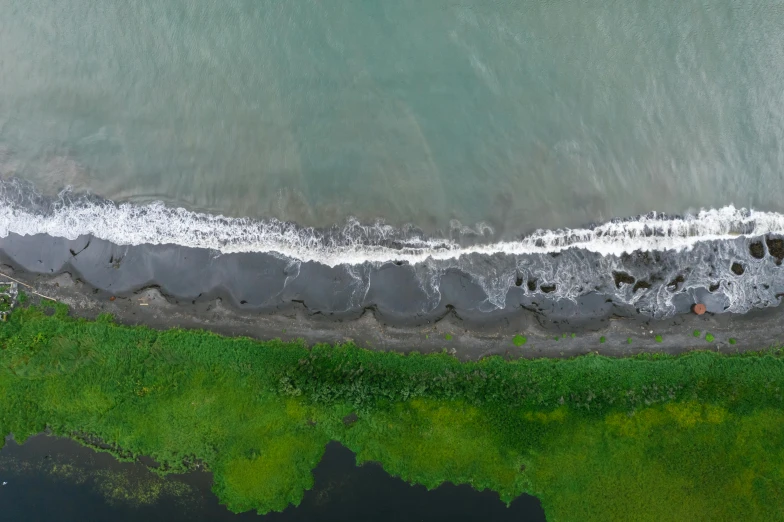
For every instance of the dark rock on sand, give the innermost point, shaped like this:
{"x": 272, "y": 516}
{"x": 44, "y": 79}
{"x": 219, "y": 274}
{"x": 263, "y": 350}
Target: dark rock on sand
{"x": 676, "y": 283}
{"x": 622, "y": 277}
{"x": 775, "y": 248}
{"x": 756, "y": 250}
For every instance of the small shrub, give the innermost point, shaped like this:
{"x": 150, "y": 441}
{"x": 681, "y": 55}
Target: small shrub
{"x": 697, "y": 333}
{"x": 602, "y": 339}
{"x": 658, "y": 338}
{"x": 709, "y": 337}
{"x": 574, "y": 335}
{"x": 448, "y": 337}
{"x": 519, "y": 340}
{"x": 629, "y": 340}
{"x": 732, "y": 340}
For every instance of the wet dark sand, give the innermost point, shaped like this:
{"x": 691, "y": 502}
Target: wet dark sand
{"x": 248, "y": 294}
{"x": 52, "y": 478}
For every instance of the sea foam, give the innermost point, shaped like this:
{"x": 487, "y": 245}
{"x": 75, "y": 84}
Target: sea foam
{"x": 70, "y": 216}
{"x": 697, "y": 249}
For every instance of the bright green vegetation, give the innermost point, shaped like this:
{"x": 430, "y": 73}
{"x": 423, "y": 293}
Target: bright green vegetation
{"x": 697, "y": 333}
{"x": 654, "y": 437}
{"x": 519, "y": 340}
{"x": 658, "y": 338}
{"x": 732, "y": 340}
{"x": 602, "y": 339}
{"x": 6, "y": 302}
{"x": 574, "y": 335}
{"x": 629, "y": 340}
{"x": 448, "y": 337}
{"x": 709, "y": 337}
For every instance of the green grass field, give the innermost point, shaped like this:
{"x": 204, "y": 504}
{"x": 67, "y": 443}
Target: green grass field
{"x": 694, "y": 437}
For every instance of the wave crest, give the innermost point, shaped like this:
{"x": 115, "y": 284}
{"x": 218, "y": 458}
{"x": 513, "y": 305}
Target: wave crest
{"x": 24, "y": 212}
{"x": 689, "y": 258}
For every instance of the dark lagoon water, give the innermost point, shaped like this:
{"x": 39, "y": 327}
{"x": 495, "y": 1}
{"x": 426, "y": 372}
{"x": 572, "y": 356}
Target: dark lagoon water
{"x": 56, "y": 479}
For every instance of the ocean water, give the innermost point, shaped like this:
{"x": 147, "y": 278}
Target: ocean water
{"x": 522, "y": 115}
{"x": 432, "y": 133}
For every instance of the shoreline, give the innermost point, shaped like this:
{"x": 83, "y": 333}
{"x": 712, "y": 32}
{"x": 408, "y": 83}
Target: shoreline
{"x": 97, "y": 478}
{"x": 90, "y": 286}
{"x": 655, "y": 265}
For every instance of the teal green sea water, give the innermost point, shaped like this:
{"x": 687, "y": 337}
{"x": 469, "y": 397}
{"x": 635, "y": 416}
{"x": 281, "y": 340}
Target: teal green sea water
{"x": 522, "y": 114}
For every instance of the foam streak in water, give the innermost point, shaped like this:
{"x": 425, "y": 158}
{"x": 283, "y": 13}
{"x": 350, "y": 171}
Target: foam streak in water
{"x": 71, "y": 216}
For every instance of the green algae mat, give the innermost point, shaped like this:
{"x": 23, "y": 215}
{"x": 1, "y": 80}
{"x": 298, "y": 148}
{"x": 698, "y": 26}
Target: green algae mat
{"x": 694, "y": 437}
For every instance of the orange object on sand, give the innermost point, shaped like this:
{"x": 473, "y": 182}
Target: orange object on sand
{"x": 699, "y": 309}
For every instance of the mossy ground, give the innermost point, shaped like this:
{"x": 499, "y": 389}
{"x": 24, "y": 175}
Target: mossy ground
{"x": 695, "y": 437}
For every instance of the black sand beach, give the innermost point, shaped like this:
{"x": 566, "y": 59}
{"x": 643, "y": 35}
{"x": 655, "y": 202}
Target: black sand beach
{"x": 252, "y": 295}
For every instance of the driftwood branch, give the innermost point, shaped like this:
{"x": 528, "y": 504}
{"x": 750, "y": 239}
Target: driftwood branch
{"x": 32, "y": 290}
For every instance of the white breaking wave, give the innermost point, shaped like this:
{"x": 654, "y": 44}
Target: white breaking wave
{"x": 707, "y": 245}
{"x": 354, "y": 243}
